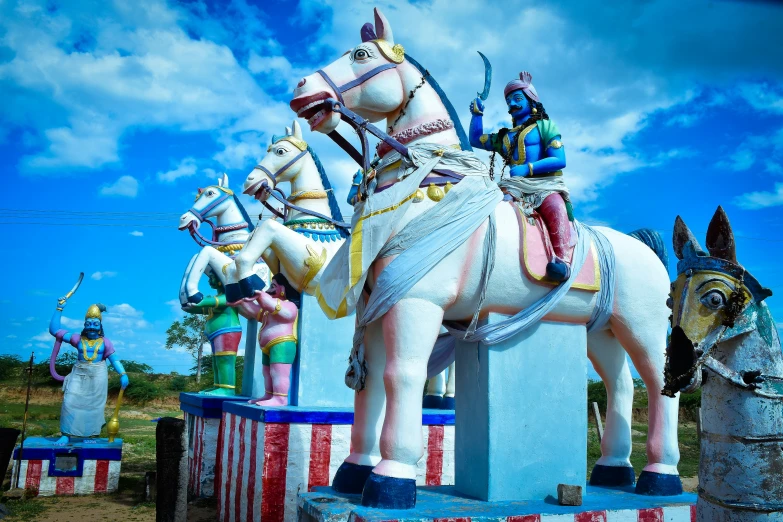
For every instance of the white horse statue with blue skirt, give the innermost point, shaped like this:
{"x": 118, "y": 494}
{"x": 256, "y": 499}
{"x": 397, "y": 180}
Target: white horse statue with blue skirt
{"x": 417, "y": 260}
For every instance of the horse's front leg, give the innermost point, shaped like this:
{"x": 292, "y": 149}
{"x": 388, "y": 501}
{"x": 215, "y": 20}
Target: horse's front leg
{"x": 369, "y": 410}
{"x": 208, "y": 256}
{"x": 410, "y": 329}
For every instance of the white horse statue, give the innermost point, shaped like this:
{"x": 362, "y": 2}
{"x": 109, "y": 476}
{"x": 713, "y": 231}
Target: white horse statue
{"x": 391, "y": 253}
{"x": 231, "y": 231}
{"x": 312, "y": 230}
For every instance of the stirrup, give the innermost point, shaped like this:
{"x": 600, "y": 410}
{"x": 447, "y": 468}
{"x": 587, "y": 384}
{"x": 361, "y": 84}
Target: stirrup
{"x": 558, "y": 270}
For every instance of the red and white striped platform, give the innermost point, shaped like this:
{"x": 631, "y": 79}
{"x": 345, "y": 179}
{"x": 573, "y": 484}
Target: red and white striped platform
{"x": 267, "y": 456}
{"x": 91, "y": 468}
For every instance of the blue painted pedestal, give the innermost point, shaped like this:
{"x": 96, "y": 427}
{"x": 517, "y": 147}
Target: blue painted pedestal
{"x": 526, "y": 403}
{"x": 444, "y": 503}
{"x": 81, "y": 467}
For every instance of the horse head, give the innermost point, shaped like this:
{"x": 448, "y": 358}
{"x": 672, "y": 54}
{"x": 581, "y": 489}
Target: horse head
{"x": 282, "y": 163}
{"x": 370, "y": 79}
{"x": 713, "y": 300}
{"x": 210, "y": 201}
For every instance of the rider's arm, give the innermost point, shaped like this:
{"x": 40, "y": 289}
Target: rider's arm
{"x": 357, "y": 179}
{"x": 554, "y": 158}
{"x": 476, "y": 131}
{"x": 115, "y": 362}
{"x": 54, "y": 323}
{"x": 203, "y": 306}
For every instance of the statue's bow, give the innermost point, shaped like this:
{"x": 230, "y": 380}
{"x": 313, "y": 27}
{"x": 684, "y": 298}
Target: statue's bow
{"x": 58, "y": 339}
{"x": 487, "y": 77}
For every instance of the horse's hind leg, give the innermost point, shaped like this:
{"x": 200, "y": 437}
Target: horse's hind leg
{"x": 609, "y": 360}
{"x": 436, "y": 387}
{"x": 645, "y": 341}
{"x": 410, "y": 329}
{"x": 369, "y": 410}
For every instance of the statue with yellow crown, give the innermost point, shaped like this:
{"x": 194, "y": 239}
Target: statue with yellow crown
{"x": 85, "y": 388}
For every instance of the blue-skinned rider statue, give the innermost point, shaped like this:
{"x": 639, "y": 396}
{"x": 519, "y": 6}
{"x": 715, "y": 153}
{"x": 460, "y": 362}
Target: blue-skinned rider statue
{"x": 85, "y": 388}
{"x": 534, "y": 151}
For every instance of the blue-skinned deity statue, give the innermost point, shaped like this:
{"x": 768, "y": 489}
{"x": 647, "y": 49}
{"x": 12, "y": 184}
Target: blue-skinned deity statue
{"x": 85, "y": 388}
{"x": 533, "y": 151}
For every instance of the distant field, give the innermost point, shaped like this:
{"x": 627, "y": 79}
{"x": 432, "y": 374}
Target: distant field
{"x": 137, "y": 429}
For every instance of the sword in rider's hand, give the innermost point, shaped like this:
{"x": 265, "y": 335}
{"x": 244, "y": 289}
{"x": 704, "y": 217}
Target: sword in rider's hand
{"x": 62, "y": 300}
{"x": 487, "y": 77}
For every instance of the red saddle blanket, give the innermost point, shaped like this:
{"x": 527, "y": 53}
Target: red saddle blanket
{"x": 535, "y": 252}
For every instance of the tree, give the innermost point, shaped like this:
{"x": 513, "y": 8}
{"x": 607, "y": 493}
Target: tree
{"x": 188, "y": 334}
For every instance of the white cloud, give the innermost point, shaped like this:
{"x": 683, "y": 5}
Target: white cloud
{"x": 10, "y": 336}
{"x": 126, "y": 186}
{"x": 100, "y": 275}
{"x": 43, "y": 336}
{"x": 125, "y": 318}
{"x": 137, "y": 233}
{"x": 758, "y": 200}
{"x": 740, "y": 161}
{"x": 67, "y": 322}
{"x": 185, "y": 168}
{"x": 176, "y": 308}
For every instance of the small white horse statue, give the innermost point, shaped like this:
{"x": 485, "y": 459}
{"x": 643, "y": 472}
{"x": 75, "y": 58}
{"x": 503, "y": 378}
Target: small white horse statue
{"x": 312, "y": 230}
{"x": 448, "y": 279}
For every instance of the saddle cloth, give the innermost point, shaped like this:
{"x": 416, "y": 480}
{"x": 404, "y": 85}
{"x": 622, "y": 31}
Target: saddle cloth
{"x": 534, "y": 254}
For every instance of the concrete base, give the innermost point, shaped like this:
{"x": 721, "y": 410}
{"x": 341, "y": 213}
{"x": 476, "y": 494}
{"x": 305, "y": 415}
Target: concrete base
{"x": 526, "y": 399}
{"x": 321, "y": 359}
{"x": 445, "y": 503}
{"x": 266, "y": 456}
{"x": 203, "y": 414}
{"x": 81, "y": 467}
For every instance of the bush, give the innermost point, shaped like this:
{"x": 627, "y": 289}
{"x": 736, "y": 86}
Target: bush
{"x": 596, "y": 392}
{"x": 140, "y": 390}
{"x": 135, "y": 367}
{"x": 178, "y": 383}
{"x": 11, "y": 367}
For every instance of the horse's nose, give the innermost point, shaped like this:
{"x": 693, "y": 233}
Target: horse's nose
{"x": 301, "y": 83}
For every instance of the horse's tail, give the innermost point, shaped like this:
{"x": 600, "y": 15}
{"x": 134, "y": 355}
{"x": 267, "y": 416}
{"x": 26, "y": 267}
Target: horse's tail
{"x": 654, "y": 240}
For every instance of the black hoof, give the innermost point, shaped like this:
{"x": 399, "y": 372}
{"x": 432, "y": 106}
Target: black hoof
{"x": 434, "y": 402}
{"x": 612, "y": 476}
{"x": 195, "y": 298}
{"x": 249, "y": 285}
{"x": 658, "y": 484}
{"x": 233, "y": 294}
{"x": 389, "y": 492}
{"x": 448, "y": 403}
{"x": 557, "y": 271}
{"x": 350, "y": 478}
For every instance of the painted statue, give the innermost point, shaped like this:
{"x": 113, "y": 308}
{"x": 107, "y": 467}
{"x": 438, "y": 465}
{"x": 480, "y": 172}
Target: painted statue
{"x": 224, "y": 332}
{"x": 312, "y": 228}
{"x": 277, "y": 311}
{"x": 431, "y": 241}
{"x": 534, "y": 150}
{"x": 85, "y": 388}
{"x": 725, "y": 340}
{"x": 230, "y": 234}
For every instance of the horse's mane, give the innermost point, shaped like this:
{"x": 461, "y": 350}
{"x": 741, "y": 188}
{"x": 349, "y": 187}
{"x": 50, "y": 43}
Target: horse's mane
{"x": 336, "y": 214}
{"x": 244, "y": 213}
{"x": 463, "y": 138}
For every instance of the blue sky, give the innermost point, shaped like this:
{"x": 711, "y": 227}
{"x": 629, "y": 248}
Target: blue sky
{"x": 125, "y": 108}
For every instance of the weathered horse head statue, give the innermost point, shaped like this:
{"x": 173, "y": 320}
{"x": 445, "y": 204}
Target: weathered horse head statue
{"x": 215, "y": 201}
{"x": 715, "y": 302}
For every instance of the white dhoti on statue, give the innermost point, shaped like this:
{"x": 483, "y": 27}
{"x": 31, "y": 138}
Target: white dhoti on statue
{"x": 84, "y": 400}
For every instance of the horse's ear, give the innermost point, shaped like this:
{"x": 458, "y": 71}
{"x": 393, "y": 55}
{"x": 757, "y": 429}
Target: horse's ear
{"x": 224, "y": 180}
{"x": 720, "y": 238}
{"x": 367, "y": 32}
{"x": 382, "y": 28}
{"x": 288, "y": 131}
{"x": 682, "y": 236}
{"x": 297, "y": 130}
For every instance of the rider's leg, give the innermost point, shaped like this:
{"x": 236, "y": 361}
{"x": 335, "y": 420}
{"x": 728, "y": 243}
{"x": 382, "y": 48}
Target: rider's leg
{"x": 224, "y": 356}
{"x": 281, "y": 358}
{"x": 555, "y": 215}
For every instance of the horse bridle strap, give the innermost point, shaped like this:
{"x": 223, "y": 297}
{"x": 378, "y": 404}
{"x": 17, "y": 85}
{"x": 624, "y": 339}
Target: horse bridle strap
{"x": 273, "y": 175}
{"x": 356, "y": 82}
{"x": 201, "y": 214}
{"x": 288, "y": 204}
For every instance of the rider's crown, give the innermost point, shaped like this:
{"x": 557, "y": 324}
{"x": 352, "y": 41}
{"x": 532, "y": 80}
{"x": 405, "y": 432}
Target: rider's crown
{"x": 94, "y": 312}
{"x": 525, "y": 82}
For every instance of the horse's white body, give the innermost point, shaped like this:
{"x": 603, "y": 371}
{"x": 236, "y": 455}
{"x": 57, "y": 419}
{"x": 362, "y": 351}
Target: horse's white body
{"x": 387, "y": 428}
{"x": 284, "y": 249}
{"x": 225, "y": 213}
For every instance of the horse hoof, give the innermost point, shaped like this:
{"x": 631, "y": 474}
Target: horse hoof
{"x": 612, "y": 476}
{"x": 385, "y": 492}
{"x": 350, "y": 478}
{"x": 434, "y": 402}
{"x": 195, "y": 298}
{"x": 658, "y": 484}
{"x": 249, "y": 286}
{"x": 233, "y": 294}
{"x": 448, "y": 403}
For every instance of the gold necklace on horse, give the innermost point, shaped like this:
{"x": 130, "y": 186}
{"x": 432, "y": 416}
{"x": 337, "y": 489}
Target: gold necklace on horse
{"x": 95, "y": 344}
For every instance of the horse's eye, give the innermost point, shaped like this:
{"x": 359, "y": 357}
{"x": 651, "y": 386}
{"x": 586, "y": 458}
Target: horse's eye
{"x": 714, "y": 299}
{"x": 211, "y": 193}
{"x": 361, "y": 54}
{"x": 280, "y": 151}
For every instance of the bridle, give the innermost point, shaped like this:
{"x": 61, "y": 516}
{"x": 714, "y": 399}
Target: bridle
{"x": 202, "y": 216}
{"x": 280, "y": 197}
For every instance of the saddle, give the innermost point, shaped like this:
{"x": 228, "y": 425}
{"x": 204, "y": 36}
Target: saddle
{"x": 536, "y": 250}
